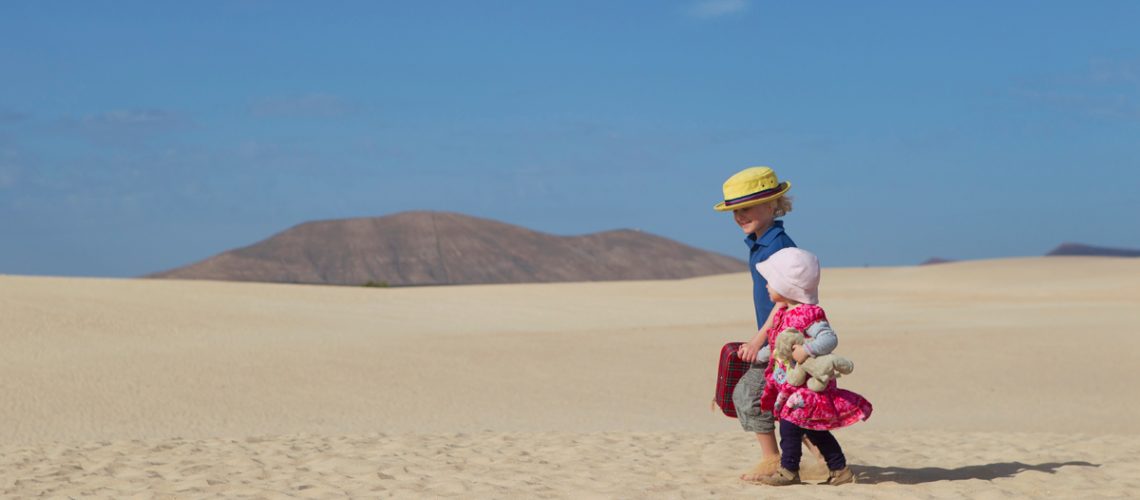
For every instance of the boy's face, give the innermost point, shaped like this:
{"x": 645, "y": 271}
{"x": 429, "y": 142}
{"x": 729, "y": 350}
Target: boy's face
{"x": 755, "y": 219}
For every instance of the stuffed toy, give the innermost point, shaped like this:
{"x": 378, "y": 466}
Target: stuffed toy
{"x": 817, "y": 371}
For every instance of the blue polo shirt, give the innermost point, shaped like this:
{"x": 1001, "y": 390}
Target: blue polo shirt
{"x": 759, "y": 249}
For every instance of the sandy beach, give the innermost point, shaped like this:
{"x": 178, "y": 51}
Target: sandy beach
{"x": 1010, "y": 378}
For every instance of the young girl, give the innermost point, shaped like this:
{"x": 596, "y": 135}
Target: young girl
{"x": 793, "y": 284}
{"x": 756, "y": 198}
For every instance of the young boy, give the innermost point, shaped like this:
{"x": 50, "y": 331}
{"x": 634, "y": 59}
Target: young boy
{"x": 756, "y": 198}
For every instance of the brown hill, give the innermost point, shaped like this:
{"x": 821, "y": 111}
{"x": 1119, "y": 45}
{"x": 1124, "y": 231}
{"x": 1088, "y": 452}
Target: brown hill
{"x": 441, "y": 248}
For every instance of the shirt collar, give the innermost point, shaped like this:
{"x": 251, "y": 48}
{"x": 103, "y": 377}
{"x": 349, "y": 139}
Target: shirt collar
{"x": 768, "y": 237}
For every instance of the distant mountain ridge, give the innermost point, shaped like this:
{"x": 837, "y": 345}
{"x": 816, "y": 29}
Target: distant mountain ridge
{"x": 1082, "y": 249}
{"x": 1077, "y": 249}
{"x": 443, "y": 248}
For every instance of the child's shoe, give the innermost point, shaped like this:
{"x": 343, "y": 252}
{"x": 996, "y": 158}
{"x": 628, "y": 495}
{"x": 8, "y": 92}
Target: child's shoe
{"x": 782, "y": 477}
{"x": 841, "y": 476}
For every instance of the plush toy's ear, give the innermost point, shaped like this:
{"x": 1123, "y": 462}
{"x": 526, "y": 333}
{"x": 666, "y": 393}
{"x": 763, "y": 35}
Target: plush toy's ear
{"x": 788, "y": 339}
{"x": 781, "y": 341}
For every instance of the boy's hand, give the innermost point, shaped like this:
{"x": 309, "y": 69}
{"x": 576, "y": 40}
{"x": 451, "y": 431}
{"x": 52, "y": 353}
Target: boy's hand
{"x": 800, "y": 354}
{"x": 747, "y": 352}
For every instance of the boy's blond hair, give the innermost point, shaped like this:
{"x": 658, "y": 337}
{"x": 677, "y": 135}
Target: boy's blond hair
{"x": 783, "y": 205}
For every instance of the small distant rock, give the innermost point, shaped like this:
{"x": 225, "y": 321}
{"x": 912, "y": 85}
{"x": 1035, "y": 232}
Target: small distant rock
{"x": 936, "y": 260}
{"x": 1089, "y": 250}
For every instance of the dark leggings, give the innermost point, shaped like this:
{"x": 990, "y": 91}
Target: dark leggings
{"x": 791, "y": 448}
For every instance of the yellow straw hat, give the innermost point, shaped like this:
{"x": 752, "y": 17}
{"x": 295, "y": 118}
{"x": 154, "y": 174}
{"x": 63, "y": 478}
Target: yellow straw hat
{"x": 749, "y": 187}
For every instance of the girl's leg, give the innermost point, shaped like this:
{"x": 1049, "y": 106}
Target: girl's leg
{"x": 790, "y": 445}
{"x": 791, "y": 436}
{"x": 828, "y": 446}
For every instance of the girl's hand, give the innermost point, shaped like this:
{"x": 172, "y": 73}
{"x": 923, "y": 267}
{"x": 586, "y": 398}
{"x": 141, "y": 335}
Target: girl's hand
{"x": 747, "y": 352}
{"x": 800, "y": 354}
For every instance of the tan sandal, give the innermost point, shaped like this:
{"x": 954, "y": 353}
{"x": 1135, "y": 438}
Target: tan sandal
{"x": 782, "y": 477}
{"x": 841, "y": 476}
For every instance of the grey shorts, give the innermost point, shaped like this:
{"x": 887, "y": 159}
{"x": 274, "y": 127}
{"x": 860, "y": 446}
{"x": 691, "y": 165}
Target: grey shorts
{"x": 746, "y": 398}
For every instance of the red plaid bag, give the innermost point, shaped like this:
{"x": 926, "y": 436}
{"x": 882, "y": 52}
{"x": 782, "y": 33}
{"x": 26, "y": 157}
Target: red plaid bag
{"x": 727, "y": 374}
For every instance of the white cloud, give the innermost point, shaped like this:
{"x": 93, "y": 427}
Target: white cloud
{"x": 130, "y": 118}
{"x": 1114, "y": 71}
{"x": 9, "y": 116}
{"x": 319, "y": 105}
{"x": 708, "y": 9}
{"x": 124, "y": 126}
{"x": 1106, "y": 88}
{"x": 9, "y": 171}
{"x": 1117, "y": 105}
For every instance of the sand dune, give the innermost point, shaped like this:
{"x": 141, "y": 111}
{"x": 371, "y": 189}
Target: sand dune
{"x": 900, "y": 464}
{"x": 1005, "y": 378}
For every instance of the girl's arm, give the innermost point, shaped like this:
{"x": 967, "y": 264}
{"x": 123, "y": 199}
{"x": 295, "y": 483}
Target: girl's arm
{"x": 755, "y": 349}
{"x": 823, "y": 341}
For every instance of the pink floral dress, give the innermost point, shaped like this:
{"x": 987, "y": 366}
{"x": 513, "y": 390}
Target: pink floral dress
{"x": 831, "y": 409}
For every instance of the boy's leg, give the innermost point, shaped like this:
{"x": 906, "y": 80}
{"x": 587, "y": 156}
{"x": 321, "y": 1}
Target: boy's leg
{"x": 769, "y": 461}
{"x": 746, "y": 398}
{"x": 767, "y": 444}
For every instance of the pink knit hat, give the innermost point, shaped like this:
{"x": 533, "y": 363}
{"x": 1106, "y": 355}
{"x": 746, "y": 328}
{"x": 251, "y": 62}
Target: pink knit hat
{"x": 793, "y": 273}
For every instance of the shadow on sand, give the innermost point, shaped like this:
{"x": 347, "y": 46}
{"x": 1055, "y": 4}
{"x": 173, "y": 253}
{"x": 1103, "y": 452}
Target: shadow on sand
{"x": 869, "y": 474}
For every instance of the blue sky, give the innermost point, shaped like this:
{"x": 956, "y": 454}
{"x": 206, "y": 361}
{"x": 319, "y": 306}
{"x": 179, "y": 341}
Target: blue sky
{"x": 140, "y": 136}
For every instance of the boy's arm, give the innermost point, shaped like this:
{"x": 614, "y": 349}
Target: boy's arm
{"x": 764, "y": 352}
{"x": 755, "y": 348}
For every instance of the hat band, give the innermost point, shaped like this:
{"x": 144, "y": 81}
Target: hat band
{"x": 751, "y": 197}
